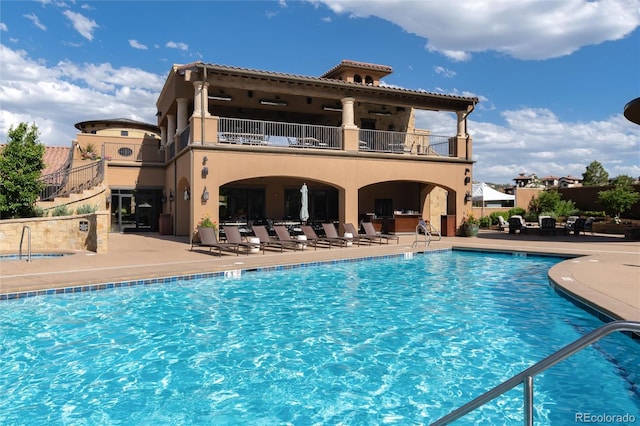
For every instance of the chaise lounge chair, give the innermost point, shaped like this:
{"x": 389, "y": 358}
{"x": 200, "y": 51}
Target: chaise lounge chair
{"x": 370, "y": 231}
{"x": 517, "y": 223}
{"x": 330, "y": 231}
{"x": 235, "y": 237}
{"x": 548, "y": 224}
{"x": 502, "y": 224}
{"x": 314, "y": 239}
{"x": 261, "y": 232}
{"x": 283, "y": 235}
{"x": 348, "y": 227}
{"x": 209, "y": 239}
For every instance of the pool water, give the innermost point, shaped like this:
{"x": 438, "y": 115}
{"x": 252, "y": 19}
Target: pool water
{"x": 385, "y": 341}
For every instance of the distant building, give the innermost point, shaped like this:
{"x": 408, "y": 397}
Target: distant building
{"x": 550, "y": 181}
{"x": 522, "y": 180}
{"x": 569, "y": 182}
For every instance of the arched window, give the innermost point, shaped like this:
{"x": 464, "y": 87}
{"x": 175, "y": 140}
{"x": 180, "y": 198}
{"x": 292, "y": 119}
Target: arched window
{"x": 357, "y": 78}
{"x": 368, "y": 80}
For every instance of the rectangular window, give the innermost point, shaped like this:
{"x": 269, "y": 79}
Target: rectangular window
{"x": 124, "y": 133}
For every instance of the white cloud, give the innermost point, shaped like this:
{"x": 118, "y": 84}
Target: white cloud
{"x": 524, "y": 29}
{"x": 69, "y": 93}
{"x": 82, "y": 24}
{"x": 137, "y": 45}
{"x": 536, "y": 141}
{"x": 177, "y": 45}
{"x": 3, "y": 27}
{"x": 33, "y": 18}
{"x": 444, "y": 72}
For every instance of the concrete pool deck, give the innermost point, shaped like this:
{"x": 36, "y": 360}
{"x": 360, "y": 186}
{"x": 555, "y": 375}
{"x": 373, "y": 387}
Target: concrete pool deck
{"x": 603, "y": 272}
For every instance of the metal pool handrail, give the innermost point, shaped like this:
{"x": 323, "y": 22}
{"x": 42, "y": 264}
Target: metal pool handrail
{"x": 526, "y": 377}
{"x": 25, "y": 227}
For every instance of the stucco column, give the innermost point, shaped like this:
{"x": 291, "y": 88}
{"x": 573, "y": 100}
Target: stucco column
{"x": 200, "y": 97}
{"x": 347, "y": 113}
{"x": 462, "y": 131}
{"x": 171, "y": 128}
{"x": 349, "y": 199}
{"x": 163, "y": 135}
{"x": 182, "y": 114}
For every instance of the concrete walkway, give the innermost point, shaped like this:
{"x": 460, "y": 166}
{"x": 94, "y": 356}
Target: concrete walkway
{"x": 605, "y": 272}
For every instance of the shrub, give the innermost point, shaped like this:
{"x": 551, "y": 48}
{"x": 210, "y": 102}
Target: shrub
{"x": 38, "y": 212}
{"x": 516, "y": 211}
{"x": 62, "y": 210}
{"x": 485, "y": 221}
{"x": 86, "y": 208}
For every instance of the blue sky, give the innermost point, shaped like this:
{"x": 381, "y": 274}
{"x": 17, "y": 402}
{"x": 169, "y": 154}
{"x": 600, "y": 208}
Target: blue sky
{"x": 552, "y": 76}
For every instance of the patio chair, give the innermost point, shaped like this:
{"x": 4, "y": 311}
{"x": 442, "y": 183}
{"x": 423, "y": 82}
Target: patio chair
{"x": 502, "y": 224}
{"x": 209, "y": 239}
{"x": 370, "y": 231}
{"x": 330, "y": 231}
{"x": 568, "y": 226}
{"x": 548, "y": 224}
{"x": 579, "y": 226}
{"x": 283, "y": 235}
{"x": 588, "y": 225}
{"x": 314, "y": 239}
{"x": 234, "y": 236}
{"x": 517, "y": 224}
{"x": 261, "y": 232}
{"x": 357, "y": 236}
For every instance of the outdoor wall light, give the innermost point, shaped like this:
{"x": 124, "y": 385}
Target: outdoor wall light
{"x": 205, "y": 194}
{"x": 467, "y": 197}
{"x": 171, "y": 196}
{"x": 187, "y": 193}
{"x": 467, "y": 180}
{"x": 204, "y": 160}
{"x": 205, "y": 172}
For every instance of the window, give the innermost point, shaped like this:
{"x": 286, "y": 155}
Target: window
{"x": 125, "y": 151}
{"x": 124, "y": 133}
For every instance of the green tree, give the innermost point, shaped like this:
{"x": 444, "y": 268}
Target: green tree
{"x": 624, "y": 180}
{"x": 546, "y": 201}
{"x": 21, "y": 163}
{"x": 595, "y": 175}
{"x": 619, "y": 199}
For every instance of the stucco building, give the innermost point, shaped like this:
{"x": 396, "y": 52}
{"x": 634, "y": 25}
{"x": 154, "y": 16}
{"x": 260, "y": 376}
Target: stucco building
{"x": 237, "y": 144}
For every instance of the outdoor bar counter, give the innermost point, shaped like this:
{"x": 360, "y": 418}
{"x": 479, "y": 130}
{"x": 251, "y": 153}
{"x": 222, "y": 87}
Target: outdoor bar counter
{"x": 402, "y": 223}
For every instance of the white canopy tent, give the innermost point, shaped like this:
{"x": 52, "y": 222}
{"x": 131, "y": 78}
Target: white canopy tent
{"x": 485, "y": 196}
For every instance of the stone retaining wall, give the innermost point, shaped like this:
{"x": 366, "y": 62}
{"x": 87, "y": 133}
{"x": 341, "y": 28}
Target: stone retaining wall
{"x": 55, "y": 234}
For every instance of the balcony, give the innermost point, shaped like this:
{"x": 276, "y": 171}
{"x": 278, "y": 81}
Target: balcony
{"x": 256, "y": 134}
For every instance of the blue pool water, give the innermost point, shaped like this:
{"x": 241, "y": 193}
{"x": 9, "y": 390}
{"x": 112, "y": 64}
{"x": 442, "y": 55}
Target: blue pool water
{"x": 388, "y": 341}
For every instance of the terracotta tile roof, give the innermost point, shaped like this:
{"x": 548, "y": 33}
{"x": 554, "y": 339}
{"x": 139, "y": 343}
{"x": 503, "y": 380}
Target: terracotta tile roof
{"x": 54, "y": 158}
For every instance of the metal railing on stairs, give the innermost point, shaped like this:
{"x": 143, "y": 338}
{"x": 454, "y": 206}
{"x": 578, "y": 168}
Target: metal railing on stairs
{"x": 526, "y": 377}
{"x": 70, "y": 181}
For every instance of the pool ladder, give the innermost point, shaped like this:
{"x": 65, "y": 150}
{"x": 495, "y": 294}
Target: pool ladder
{"x": 25, "y": 228}
{"x": 526, "y": 377}
{"x": 428, "y": 230}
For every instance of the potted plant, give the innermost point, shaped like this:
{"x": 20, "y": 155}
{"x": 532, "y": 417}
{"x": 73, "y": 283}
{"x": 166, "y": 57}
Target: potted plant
{"x": 205, "y": 222}
{"x": 471, "y": 225}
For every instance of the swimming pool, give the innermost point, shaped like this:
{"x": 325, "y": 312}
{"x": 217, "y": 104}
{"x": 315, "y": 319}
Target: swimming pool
{"x": 399, "y": 341}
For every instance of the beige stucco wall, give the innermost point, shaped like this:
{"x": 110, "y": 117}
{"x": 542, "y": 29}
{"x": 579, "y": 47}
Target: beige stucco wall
{"x": 56, "y": 234}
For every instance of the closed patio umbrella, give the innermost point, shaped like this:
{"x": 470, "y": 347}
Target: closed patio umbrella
{"x": 304, "y": 210}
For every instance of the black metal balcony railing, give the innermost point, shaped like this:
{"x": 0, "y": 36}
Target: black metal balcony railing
{"x": 145, "y": 153}
{"x": 70, "y": 181}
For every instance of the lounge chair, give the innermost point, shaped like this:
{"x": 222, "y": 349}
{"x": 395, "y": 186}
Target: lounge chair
{"x": 370, "y": 231}
{"x": 517, "y": 223}
{"x": 314, "y": 239}
{"x": 330, "y": 231}
{"x": 283, "y": 235}
{"x": 357, "y": 236}
{"x": 588, "y": 225}
{"x": 235, "y": 237}
{"x": 209, "y": 239}
{"x": 502, "y": 224}
{"x": 568, "y": 226}
{"x": 261, "y": 232}
{"x": 548, "y": 224}
{"x": 579, "y": 226}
